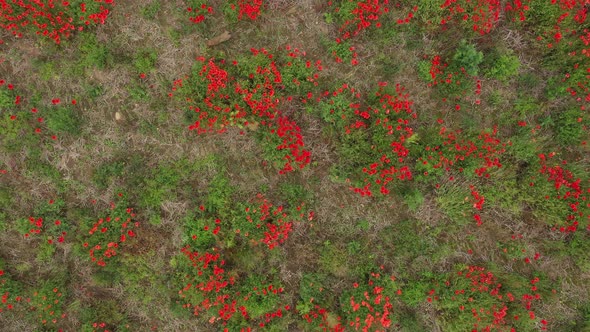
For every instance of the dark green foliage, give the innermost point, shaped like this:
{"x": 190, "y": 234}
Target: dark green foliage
{"x": 105, "y": 173}
{"x": 467, "y": 57}
{"x": 64, "y": 120}
{"x": 145, "y": 60}
{"x": 94, "y": 54}
{"x": 569, "y": 127}
{"x": 151, "y": 10}
{"x": 501, "y": 65}
{"x": 311, "y": 292}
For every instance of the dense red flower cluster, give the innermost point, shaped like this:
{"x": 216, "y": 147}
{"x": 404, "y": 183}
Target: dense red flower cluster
{"x": 482, "y": 299}
{"x": 209, "y": 288}
{"x": 368, "y": 307}
{"x": 572, "y": 36}
{"x": 211, "y": 279}
{"x": 31, "y": 117}
{"x": 389, "y": 121}
{"x": 365, "y": 14}
{"x": 197, "y": 12}
{"x": 569, "y": 190}
{"x": 267, "y": 223}
{"x": 45, "y": 305}
{"x": 292, "y": 140}
{"x": 107, "y": 234}
{"x": 454, "y": 149}
{"x": 249, "y": 8}
{"x": 250, "y": 101}
{"x": 54, "y": 19}
{"x": 482, "y": 14}
{"x": 216, "y": 293}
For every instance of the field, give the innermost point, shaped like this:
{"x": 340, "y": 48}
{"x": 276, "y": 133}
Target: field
{"x": 294, "y": 165}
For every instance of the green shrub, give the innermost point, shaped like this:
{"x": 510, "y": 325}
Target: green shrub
{"x": 339, "y": 50}
{"x": 467, "y": 57}
{"x": 7, "y": 98}
{"x": 150, "y": 11}
{"x": 415, "y": 293}
{"x": 294, "y": 194}
{"x": 424, "y": 70}
{"x": 527, "y": 106}
{"x": 138, "y": 92}
{"x": 94, "y": 91}
{"x": 219, "y": 194}
{"x": 94, "y": 54}
{"x": 105, "y": 172}
{"x": 104, "y": 311}
{"x": 528, "y": 81}
{"x": 503, "y": 67}
{"x": 568, "y": 127}
{"x": 577, "y": 248}
{"x": 413, "y": 198}
{"x": 62, "y": 120}
{"x": 260, "y": 300}
{"x": 311, "y": 292}
{"x": 159, "y": 186}
{"x": 144, "y": 60}
{"x": 194, "y": 230}
{"x": 334, "y": 259}
{"x": 455, "y": 202}
{"x": 336, "y": 111}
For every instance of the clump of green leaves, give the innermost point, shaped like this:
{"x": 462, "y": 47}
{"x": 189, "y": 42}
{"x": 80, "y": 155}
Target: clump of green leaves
{"x": 503, "y": 67}
{"x": 63, "y": 119}
{"x": 467, "y": 57}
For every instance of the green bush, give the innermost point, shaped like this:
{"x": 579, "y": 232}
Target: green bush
{"x": 63, "y": 120}
{"x": 219, "y": 195}
{"x": 311, "y": 292}
{"x": 159, "y": 186}
{"x": 144, "y": 60}
{"x": 93, "y": 54}
{"x": 105, "y": 172}
{"x": 260, "y": 300}
{"x": 150, "y": 10}
{"x": 467, "y": 57}
{"x": 336, "y": 111}
{"x": 455, "y": 202}
{"x": 568, "y": 127}
{"x": 413, "y": 198}
{"x": 7, "y": 98}
{"x": 527, "y": 106}
{"x": 104, "y": 311}
{"x": 138, "y": 92}
{"x": 424, "y": 70}
{"x": 503, "y": 67}
{"x": 294, "y": 194}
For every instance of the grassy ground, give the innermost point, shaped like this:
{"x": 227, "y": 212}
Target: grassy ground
{"x": 126, "y": 135}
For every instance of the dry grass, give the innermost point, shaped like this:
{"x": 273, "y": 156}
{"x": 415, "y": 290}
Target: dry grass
{"x": 157, "y": 133}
